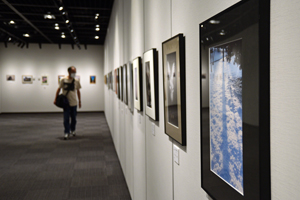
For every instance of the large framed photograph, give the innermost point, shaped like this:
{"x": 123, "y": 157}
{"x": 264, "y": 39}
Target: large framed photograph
{"x": 27, "y": 79}
{"x": 235, "y": 106}
{"x": 130, "y": 86}
{"x": 174, "y": 88}
{"x": 150, "y": 63}
{"x": 125, "y": 91}
{"x": 137, "y": 83}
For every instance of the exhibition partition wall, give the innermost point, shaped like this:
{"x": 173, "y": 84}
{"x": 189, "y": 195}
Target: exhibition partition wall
{"x": 41, "y": 69}
{"x": 155, "y": 165}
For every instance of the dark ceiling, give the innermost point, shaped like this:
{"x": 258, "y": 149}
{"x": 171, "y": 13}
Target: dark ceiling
{"x": 28, "y": 17}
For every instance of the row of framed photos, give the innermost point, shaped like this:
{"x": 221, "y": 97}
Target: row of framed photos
{"x": 28, "y": 79}
{"x": 127, "y": 82}
{"x": 234, "y": 98}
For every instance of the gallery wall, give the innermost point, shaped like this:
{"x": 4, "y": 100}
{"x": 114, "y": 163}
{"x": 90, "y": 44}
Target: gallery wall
{"x": 49, "y": 61}
{"x": 145, "y": 151}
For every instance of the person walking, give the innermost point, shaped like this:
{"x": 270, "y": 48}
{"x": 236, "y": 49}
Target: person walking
{"x": 70, "y": 86}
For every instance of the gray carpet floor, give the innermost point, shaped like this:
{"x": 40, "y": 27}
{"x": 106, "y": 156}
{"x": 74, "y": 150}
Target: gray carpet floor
{"x": 36, "y": 163}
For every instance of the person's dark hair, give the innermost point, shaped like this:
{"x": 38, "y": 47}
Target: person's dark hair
{"x": 70, "y": 68}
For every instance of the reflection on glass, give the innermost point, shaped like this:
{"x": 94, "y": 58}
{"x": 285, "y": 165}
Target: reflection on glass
{"x": 225, "y": 98}
{"x": 148, "y": 84}
{"x": 172, "y": 89}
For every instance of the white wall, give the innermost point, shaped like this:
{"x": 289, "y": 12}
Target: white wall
{"x": 158, "y": 177}
{"x": 50, "y": 61}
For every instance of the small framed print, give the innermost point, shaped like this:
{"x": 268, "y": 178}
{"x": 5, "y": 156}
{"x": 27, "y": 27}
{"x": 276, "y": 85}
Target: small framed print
{"x": 125, "y": 91}
{"x": 60, "y": 77}
{"x": 116, "y": 81}
{"x": 10, "y": 78}
{"x": 150, "y": 64}
{"x": 130, "y": 86}
{"x": 137, "y": 83}
{"x": 27, "y": 79}
{"x": 93, "y": 79}
{"x": 77, "y": 77}
{"x": 120, "y": 93}
{"x": 174, "y": 88}
{"x": 44, "y": 80}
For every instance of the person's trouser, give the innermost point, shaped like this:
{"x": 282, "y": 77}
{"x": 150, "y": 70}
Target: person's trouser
{"x": 70, "y": 111}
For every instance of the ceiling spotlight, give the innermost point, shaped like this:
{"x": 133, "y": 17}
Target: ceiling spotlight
{"x": 12, "y": 22}
{"x": 214, "y": 21}
{"x": 26, "y": 35}
{"x": 63, "y": 36}
{"x": 67, "y": 21}
{"x": 201, "y": 25}
{"x": 72, "y": 30}
{"x": 97, "y": 29}
{"x": 9, "y": 39}
{"x": 75, "y": 38}
{"x": 56, "y": 24}
{"x": 222, "y": 32}
{"x": 49, "y": 16}
{"x": 96, "y": 37}
{"x": 63, "y": 13}
{"x": 97, "y": 25}
{"x": 61, "y": 8}
{"x": 56, "y": 28}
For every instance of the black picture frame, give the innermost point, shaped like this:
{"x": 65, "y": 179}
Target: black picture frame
{"x": 138, "y": 83}
{"x": 173, "y": 53}
{"x": 125, "y": 90}
{"x": 120, "y": 88}
{"x": 150, "y": 64}
{"x": 239, "y": 36}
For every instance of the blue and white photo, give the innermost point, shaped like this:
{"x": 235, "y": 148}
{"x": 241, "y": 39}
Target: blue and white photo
{"x": 225, "y": 99}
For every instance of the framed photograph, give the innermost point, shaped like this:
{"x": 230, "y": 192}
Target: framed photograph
{"x": 111, "y": 81}
{"x": 235, "y": 102}
{"x": 93, "y": 79}
{"x": 120, "y": 94}
{"x": 137, "y": 83}
{"x": 10, "y": 78}
{"x": 116, "y": 81}
{"x": 150, "y": 63}
{"x": 27, "y": 79}
{"x": 125, "y": 91}
{"x": 60, "y": 77}
{"x": 174, "y": 88}
{"x": 77, "y": 77}
{"x": 44, "y": 80}
{"x": 130, "y": 86}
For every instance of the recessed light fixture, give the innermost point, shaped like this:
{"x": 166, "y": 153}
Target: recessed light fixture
{"x": 72, "y": 30}
{"x": 63, "y": 13}
{"x": 9, "y": 39}
{"x": 97, "y": 15}
{"x": 201, "y": 25}
{"x": 12, "y": 22}
{"x": 222, "y": 32}
{"x": 96, "y": 37}
{"x": 61, "y": 8}
{"x": 63, "y": 36}
{"x": 49, "y": 16}
{"x": 75, "y": 37}
{"x": 97, "y": 25}
{"x": 214, "y": 21}
{"x": 56, "y": 27}
{"x": 56, "y": 24}
{"x": 97, "y": 29}
{"x": 67, "y": 21}
{"x": 26, "y": 35}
